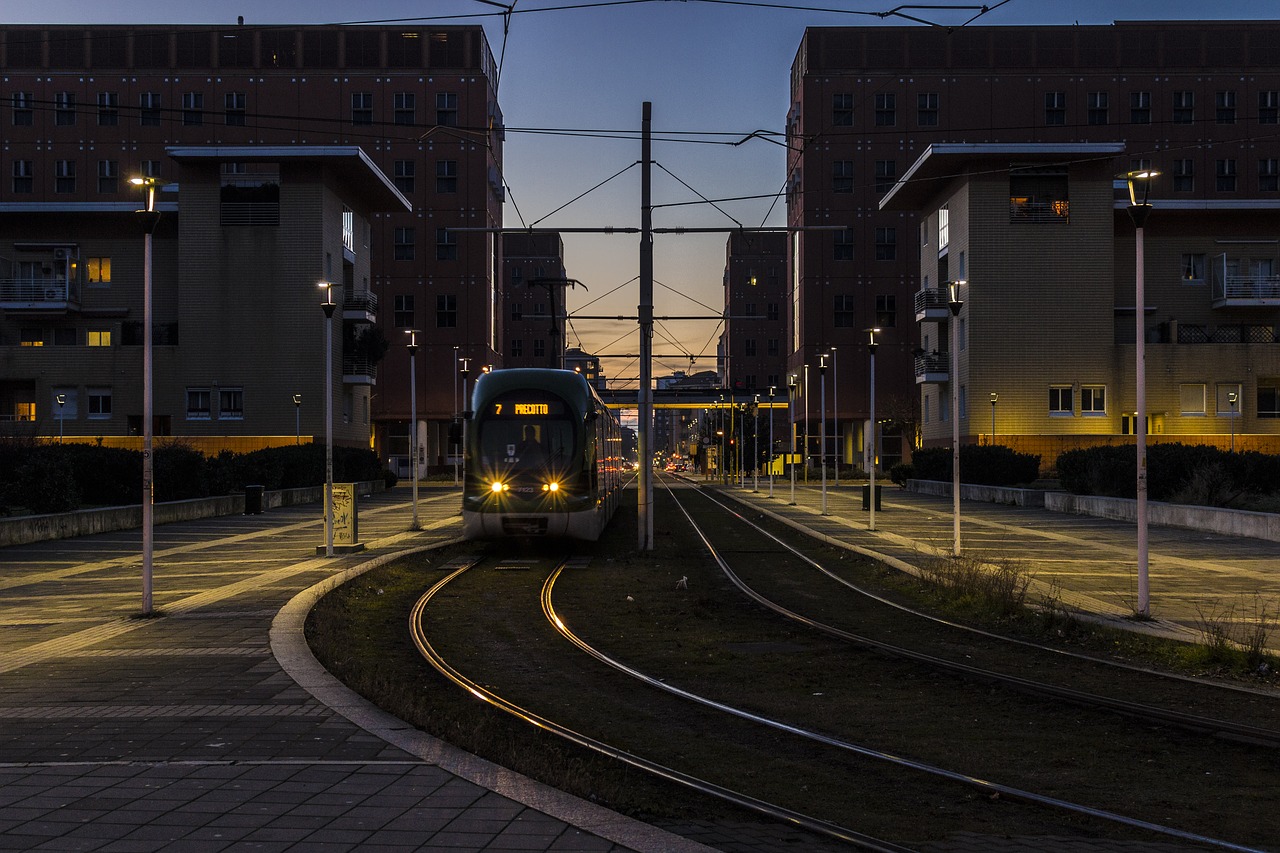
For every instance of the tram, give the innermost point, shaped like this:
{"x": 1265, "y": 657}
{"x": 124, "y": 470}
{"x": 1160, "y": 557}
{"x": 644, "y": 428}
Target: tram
{"x": 542, "y": 457}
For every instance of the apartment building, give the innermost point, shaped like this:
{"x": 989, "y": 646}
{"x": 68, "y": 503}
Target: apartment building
{"x": 535, "y": 287}
{"x": 1197, "y": 100}
{"x": 87, "y": 107}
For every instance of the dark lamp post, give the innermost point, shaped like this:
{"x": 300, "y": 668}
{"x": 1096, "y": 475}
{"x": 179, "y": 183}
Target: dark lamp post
{"x": 413, "y": 420}
{"x": 871, "y": 459}
{"x": 297, "y": 419}
{"x": 955, "y": 305}
{"x": 328, "y": 307}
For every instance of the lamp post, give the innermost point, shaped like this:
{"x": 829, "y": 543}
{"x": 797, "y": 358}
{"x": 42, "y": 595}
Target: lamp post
{"x": 328, "y": 307}
{"x": 413, "y": 421}
{"x": 1140, "y": 182}
{"x": 62, "y": 401}
{"x": 871, "y": 466}
{"x": 995, "y": 398}
{"x": 464, "y": 371}
{"x": 806, "y": 424}
{"x": 148, "y": 396}
{"x": 297, "y": 419}
{"x": 1232, "y": 399}
{"x": 755, "y": 445}
{"x": 822, "y": 425}
{"x": 835, "y": 414}
{"x": 955, "y": 305}
{"x": 772, "y": 390}
{"x": 455, "y": 414}
{"x": 791, "y": 410}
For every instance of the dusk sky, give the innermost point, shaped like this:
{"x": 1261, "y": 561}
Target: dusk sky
{"x": 715, "y": 72}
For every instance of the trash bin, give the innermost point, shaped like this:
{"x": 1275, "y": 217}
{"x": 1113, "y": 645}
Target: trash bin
{"x": 253, "y": 500}
{"x": 866, "y": 497}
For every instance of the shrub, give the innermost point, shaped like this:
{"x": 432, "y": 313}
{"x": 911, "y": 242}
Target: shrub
{"x": 986, "y": 465}
{"x": 902, "y": 472}
{"x": 44, "y": 483}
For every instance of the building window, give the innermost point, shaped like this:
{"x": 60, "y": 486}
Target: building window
{"x": 843, "y": 245}
{"x": 23, "y": 179}
{"x": 98, "y": 338}
{"x": 64, "y": 109}
{"x": 1226, "y": 107}
{"x": 925, "y": 408}
{"x": 1192, "y": 398}
{"x": 404, "y": 106}
{"x": 886, "y": 109}
{"x": 1039, "y": 195}
{"x": 1226, "y": 392}
{"x": 539, "y": 348}
{"x": 193, "y": 109}
{"x": 108, "y": 109}
{"x": 927, "y": 109}
{"x": 517, "y": 348}
{"x": 64, "y": 176}
{"x": 886, "y": 244}
{"x": 1268, "y": 398}
{"x": 402, "y": 314}
{"x": 772, "y": 347}
{"x": 944, "y": 228}
{"x": 236, "y": 108}
{"x": 842, "y": 176}
{"x": 886, "y": 175}
{"x": 772, "y": 311}
{"x": 99, "y": 400}
{"x": 403, "y": 244}
{"x": 23, "y": 114}
{"x": 1193, "y": 268}
{"x": 1268, "y": 175}
{"x": 749, "y": 347}
{"x": 1184, "y": 176}
{"x": 446, "y": 176}
{"x": 30, "y": 337}
{"x": 446, "y": 311}
{"x": 151, "y": 168}
{"x": 1140, "y": 108}
{"x": 1060, "y": 400}
{"x": 517, "y": 311}
{"x": 1055, "y": 108}
{"x": 108, "y": 176}
{"x": 446, "y": 245}
{"x": 403, "y": 175}
{"x": 361, "y": 108}
{"x": 1098, "y": 103}
{"x": 962, "y": 334}
{"x": 1269, "y": 108}
{"x": 446, "y": 109}
{"x": 65, "y": 337}
{"x": 198, "y": 404}
{"x": 231, "y": 404}
{"x": 1184, "y": 107}
{"x": 1226, "y": 176}
{"x": 842, "y": 110}
{"x": 1093, "y": 400}
{"x": 98, "y": 271}
{"x": 149, "y": 109}
{"x": 886, "y": 310}
{"x": 842, "y": 315}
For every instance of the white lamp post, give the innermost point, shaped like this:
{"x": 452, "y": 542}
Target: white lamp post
{"x": 995, "y": 398}
{"x": 297, "y": 418}
{"x": 464, "y": 371}
{"x": 62, "y": 401}
{"x": 822, "y": 426}
{"x": 791, "y": 410}
{"x": 148, "y": 397}
{"x": 955, "y": 305}
{"x": 806, "y": 424}
{"x": 413, "y": 421}
{"x": 772, "y": 390}
{"x": 871, "y": 467}
{"x": 328, "y": 307}
{"x": 1140, "y": 181}
{"x": 455, "y": 414}
{"x": 1233, "y": 398}
{"x": 835, "y": 414}
{"x": 755, "y": 445}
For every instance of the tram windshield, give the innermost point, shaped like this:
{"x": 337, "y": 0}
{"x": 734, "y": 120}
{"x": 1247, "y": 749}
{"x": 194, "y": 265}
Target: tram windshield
{"x": 525, "y": 435}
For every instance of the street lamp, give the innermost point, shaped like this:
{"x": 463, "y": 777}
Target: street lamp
{"x": 791, "y": 410}
{"x": 328, "y": 307}
{"x": 297, "y": 418}
{"x": 755, "y": 445}
{"x": 148, "y": 395}
{"x": 455, "y": 415}
{"x": 62, "y": 400}
{"x": 822, "y": 425}
{"x": 835, "y": 414}
{"x": 871, "y": 466}
{"x": 464, "y": 371}
{"x": 805, "y": 392}
{"x": 1140, "y": 185}
{"x": 1232, "y": 399}
{"x": 995, "y": 398}
{"x": 772, "y": 390}
{"x": 955, "y": 305}
{"x": 413, "y": 421}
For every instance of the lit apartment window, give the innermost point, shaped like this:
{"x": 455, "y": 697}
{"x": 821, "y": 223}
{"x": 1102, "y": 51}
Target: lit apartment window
{"x": 1268, "y": 398}
{"x": 1060, "y": 400}
{"x": 1193, "y": 268}
{"x": 108, "y": 109}
{"x": 842, "y": 110}
{"x": 944, "y": 228}
{"x": 1055, "y": 108}
{"x": 98, "y": 271}
{"x": 842, "y": 313}
{"x": 843, "y": 245}
{"x": 1184, "y": 175}
{"x": 927, "y": 109}
{"x": 149, "y": 109}
{"x": 402, "y": 315}
{"x": 1093, "y": 399}
{"x": 446, "y": 109}
{"x": 886, "y": 310}
{"x": 446, "y": 245}
{"x": 404, "y": 107}
{"x": 446, "y": 311}
{"x": 886, "y": 109}
{"x": 362, "y": 108}
{"x": 193, "y": 109}
{"x": 236, "y": 108}
{"x": 1269, "y": 107}
{"x": 108, "y": 176}
{"x": 1140, "y": 108}
{"x": 23, "y": 114}
{"x": 1268, "y": 175}
{"x": 1225, "y": 181}
{"x": 64, "y": 176}
{"x": 1226, "y": 107}
{"x": 99, "y": 400}
{"x": 23, "y": 178}
{"x": 842, "y": 176}
{"x": 404, "y": 174}
{"x": 1098, "y": 105}
{"x": 231, "y": 404}
{"x": 198, "y": 404}
{"x": 31, "y": 337}
{"x": 64, "y": 109}
{"x": 1192, "y": 397}
{"x": 446, "y": 176}
{"x": 98, "y": 338}
{"x": 1039, "y": 195}
{"x": 403, "y": 244}
{"x": 1184, "y": 107}
{"x": 886, "y": 175}
{"x": 886, "y": 244}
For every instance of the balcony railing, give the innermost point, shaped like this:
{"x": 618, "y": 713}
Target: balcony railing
{"x": 1243, "y": 282}
{"x": 933, "y": 304}
{"x": 1055, "y": 210}
{"x": 933, "y": 367}
{"x": 38, "y": 293}
{"x": 359, "y": 371}
{"x": 360, "y": 305}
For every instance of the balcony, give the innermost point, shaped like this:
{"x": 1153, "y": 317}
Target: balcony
{"x": 359, "y": 371}
{"x": 39, "y": 294}
{"x": 1259, "y": 287}
{"x": 933, "y": 367}
{"x": 360, "y": 306}
{"x": 933, "y": 305}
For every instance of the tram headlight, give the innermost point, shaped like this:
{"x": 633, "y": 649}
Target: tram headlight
{"x": 551, "y": 487}
{"x": 497, "y": 488}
